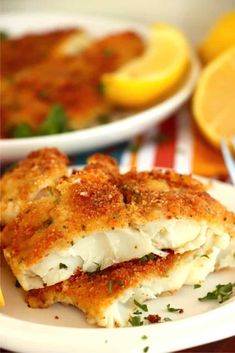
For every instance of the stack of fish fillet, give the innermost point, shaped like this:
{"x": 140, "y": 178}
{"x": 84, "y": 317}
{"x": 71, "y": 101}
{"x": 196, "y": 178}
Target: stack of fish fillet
{"x": 102, "y": 241}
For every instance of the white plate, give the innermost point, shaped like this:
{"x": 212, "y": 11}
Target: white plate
{"x": 100, "y": 136}
{"x": 37, "y": 331}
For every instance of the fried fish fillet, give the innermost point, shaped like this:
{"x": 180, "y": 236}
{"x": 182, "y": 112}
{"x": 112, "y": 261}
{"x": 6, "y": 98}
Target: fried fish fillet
{"x": 107, "y": 297}
{"x": 24, "y": 183}
{"x": 98, "y": 217}
{"x": 72, "y": 81}
{"x": 28, "y": 50}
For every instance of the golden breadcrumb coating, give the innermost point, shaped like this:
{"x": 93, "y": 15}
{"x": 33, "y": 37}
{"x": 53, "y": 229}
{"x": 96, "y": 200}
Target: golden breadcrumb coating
{"x": 94, "y": 293}
{"x": 165, "y": 194}
{"x": 24, "y": 182}
{"x": 30, "y": 49}
{"x": 97, "y": 199}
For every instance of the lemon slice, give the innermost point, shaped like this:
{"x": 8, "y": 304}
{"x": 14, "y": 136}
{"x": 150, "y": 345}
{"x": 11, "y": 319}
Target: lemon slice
{"x": 220, "y": 38}
{"x": 2, "y": 303}
{"x": 214, "y": 98}
{"x": 150, "y": 76}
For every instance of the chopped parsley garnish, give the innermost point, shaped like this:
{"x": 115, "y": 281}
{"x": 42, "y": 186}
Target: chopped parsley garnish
{"x": 108, "y": 51}
{"x": 147, "y": 257}
{"x": 100, "y": 88}
{"x": 197, "y": 286}
{"x": 135, "y": 321}
{"x": 205, "y": 256}
{"x": 221, "y": 293}
{"x": 98, "y": 266}
{"x": 141, "y": 306}
{"x": 3, "y": 36}
{"x": 137, "y": 312}
{"x": 115, "y": 216}
{"x": 56, "y": 122}
{"x": 103, "y": 119}
{"x": 43, "y": 94}
{"x": 17, "y": 284}
{"x": 120, "y": 283}
{"x": 174, "y": 310}
{"x": 61, "y": 266}
{"x": 167, "y": 319}
{"x": 110, "y": 286}
{"x": 144, "y": 337}
{"x": 145, "y": 350}
{"x": 111, "y": 283}
{"x": 21, "y": 130}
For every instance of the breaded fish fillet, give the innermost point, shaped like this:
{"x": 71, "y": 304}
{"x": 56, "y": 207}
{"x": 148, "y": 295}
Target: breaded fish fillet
{"x": 107, "y": 297}
{"x": 72, "y": 81}
{"x": 24, "y": 183}
{"x": 30, "y": 49}
{"x": 97, "y": 216}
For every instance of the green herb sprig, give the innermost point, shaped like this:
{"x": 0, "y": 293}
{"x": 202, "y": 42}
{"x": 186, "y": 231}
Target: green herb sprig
{"x": 174, "y": 310}
{"x": 221, "y": 293}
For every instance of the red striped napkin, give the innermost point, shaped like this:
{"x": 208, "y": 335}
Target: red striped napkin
{"x": 175, "y": 143}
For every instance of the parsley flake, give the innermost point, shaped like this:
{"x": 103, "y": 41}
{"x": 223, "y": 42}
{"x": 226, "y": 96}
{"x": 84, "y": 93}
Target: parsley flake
{"x": 17, "y": 284}
{"x": 174, "y": 310}
{"x": 137, "y": 312}
{"x": 205, "y": 256}
{"x": 144, "y": 258}
{"x": 144, "y": 337}
{"x": 110, "y": 286}
{"x": 197, "y": 286}
{"x": 135, "y": 321}
{"x": 221, "y": 293}
{"x": 145, "y": 350}
{"x": 103, "y": 119}
{"x": 61, "y": 266}
{"x": 100, "y": 88}
{"x": 167, "y": 319}
{"x": 141, "y": 306}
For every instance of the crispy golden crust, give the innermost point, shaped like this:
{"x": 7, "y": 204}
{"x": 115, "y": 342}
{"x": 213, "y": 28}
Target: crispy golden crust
{"x": 71, "y": 81}
{"x": 94, "y": 293}
{"x": 99, "y": 198}
{"x": 33, "y": 47}
{"x": 158, "y": 194}
{"x": 23, "y": 183}
{"x": 80, "y": 205}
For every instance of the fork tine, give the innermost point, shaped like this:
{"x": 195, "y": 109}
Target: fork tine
{"x": 228, "y": 159}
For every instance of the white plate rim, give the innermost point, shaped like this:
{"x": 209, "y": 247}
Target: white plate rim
{"x": 87, "y": 139}
{"x": 216, "y": 324}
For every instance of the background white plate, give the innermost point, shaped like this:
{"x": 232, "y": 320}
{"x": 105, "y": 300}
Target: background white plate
{"x": 100, "y": 136}
{"x": 37, "y": 331}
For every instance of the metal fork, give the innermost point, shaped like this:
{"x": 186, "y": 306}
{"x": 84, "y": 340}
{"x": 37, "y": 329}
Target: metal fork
{"x": 228, "y": 157}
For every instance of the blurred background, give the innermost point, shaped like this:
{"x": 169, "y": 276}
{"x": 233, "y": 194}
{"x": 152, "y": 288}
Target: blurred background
{"x": 189, "y": 149}
{"x": 193, "y": 16}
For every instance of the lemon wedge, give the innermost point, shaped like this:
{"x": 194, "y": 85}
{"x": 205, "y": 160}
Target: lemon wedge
{"x": 220, "y": 38}
{"x": 214, "y": 99}
{"x": 2, "y": 303}
{"x": 150, "y": 76}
